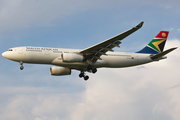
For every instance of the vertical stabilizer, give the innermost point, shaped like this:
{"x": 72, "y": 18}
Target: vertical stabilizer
{"x": 157, "y": 44}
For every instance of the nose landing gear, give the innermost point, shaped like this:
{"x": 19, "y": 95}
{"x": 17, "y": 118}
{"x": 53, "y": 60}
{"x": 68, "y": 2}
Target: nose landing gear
{"x": 21, "y": 63}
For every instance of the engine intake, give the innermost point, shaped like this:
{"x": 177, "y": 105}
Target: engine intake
{"x": 72, "y": 57}
{"x": 58, "y": 71}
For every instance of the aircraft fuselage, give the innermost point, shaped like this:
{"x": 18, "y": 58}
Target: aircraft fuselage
{"x": 53, "y": 56}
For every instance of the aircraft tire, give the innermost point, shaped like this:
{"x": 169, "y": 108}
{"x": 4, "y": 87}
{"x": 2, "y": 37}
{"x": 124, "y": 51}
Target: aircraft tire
{"x": 21, "y": 68}
{"x": 81, "y": 75}
{"x": 86, "y": 77}
{"x": 94, "y": 70}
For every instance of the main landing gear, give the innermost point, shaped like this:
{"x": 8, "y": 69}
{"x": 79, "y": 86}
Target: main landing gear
{"x": 21, "y": 63}
{"x": 89, "y": 68}
{"x": 82, "y": 74}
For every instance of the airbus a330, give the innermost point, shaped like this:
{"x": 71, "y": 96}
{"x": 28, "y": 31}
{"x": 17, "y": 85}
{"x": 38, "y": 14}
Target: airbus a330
{"x": 89, "y": 59}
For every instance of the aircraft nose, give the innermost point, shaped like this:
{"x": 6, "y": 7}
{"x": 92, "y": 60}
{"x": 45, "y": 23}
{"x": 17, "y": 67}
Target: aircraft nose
{"x": 4, "y": 54}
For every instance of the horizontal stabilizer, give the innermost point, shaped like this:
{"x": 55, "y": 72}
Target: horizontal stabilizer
{"x": 159, "y": 55}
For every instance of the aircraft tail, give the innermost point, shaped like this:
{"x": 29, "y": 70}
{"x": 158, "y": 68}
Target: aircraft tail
{"x": 157, "y": 44}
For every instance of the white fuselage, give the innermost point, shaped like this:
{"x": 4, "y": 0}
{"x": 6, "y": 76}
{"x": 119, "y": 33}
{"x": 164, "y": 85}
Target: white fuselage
{"x": 53, "y": 56}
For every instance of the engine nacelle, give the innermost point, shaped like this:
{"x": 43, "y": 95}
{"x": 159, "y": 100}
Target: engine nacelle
{"x": 72, "y": 57}
{"x": 58, "y": 71}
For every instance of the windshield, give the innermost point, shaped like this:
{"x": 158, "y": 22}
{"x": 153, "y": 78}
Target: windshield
{"x": 10, "y": 50}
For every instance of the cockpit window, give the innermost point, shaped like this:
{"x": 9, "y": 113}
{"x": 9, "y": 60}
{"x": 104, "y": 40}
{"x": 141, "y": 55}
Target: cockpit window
{"x": 10, "y": 50}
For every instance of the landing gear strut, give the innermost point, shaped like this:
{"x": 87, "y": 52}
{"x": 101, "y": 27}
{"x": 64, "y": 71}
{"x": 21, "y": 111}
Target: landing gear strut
{"x": 90, "y": 68}
{"x": 82, "y": 74}
{"x": 21, "y": 63}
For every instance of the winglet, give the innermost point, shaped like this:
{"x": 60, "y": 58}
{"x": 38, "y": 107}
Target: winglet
{"x": 140, "y": 24}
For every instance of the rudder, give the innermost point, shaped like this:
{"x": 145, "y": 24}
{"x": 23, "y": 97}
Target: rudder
{"x": 157, "y": 44}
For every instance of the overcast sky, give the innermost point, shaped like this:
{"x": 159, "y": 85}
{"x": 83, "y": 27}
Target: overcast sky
{"x": 146, "y": 92}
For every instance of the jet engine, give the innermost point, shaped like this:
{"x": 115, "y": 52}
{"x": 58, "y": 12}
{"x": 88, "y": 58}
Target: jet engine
{"x": 58, "y": 71}
{"x": 72, "y": 57}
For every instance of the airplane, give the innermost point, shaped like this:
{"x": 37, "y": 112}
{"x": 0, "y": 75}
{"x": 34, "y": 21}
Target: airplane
{"x": 91, "y": 58}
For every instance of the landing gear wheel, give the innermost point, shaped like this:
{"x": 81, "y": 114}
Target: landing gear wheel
{"x": 21, "y": 68}
{"x": 86, "y": 77}
{"x": 94, "y": 70}
{"x": 91, "y": 68}
{"x": 21, "y": 63}
{"x": 81, "y": 75}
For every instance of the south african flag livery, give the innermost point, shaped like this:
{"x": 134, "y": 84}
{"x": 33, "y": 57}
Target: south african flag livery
{"x": 157, "y": 44}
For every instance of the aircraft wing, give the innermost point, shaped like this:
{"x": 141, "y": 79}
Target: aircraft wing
{"x": 93, "y": 53}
